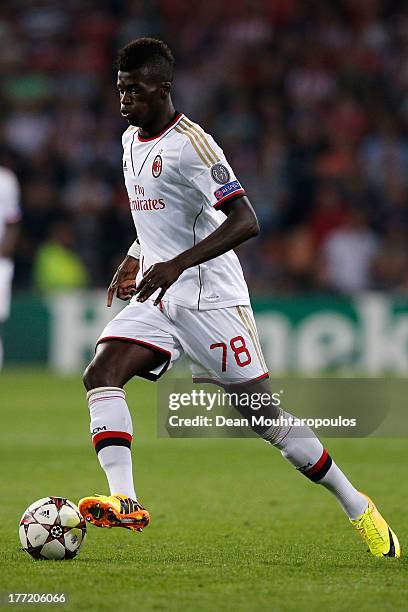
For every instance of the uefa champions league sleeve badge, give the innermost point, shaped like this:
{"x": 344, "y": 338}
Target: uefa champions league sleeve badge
{"x": 220, "y": 174}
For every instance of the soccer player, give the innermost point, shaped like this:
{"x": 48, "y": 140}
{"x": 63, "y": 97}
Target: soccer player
{"x": 189, "y": 296}
{"x": 9, "y": 218}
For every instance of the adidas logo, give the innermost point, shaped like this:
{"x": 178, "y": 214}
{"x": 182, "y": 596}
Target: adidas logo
{"x": 124, "y": 165}
{"x": 45, "y": 513}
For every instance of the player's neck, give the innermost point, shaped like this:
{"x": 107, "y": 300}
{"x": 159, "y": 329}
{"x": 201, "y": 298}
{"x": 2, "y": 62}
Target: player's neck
{"x": 159, "y": 123}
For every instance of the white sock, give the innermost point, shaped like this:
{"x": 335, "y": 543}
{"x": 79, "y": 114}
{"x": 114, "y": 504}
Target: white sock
{"x": 352, "y": 501}
{"x": 300, "y": 446}
{"x": 112, "y": 430}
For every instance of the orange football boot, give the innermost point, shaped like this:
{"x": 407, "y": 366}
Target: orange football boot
{"x": 114, "y": 511}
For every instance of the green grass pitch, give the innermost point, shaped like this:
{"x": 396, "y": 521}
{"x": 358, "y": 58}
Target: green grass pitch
{"x": 234, "y": 527}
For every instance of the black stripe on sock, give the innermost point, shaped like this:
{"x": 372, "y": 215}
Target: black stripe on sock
{"x": 323, "y": 470}
{"x": 111, "y": 442}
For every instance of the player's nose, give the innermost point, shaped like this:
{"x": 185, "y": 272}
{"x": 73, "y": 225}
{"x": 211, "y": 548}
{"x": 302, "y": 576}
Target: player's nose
{"x": 125, "y": 99}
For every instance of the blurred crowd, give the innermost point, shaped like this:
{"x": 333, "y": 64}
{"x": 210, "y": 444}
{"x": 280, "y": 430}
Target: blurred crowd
{"x": 309, "y": 100}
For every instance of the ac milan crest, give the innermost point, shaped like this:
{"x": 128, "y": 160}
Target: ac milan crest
{"x": 157, "y": 166}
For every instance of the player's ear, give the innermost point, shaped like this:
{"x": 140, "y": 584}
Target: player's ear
{"x": 165, "y": 89}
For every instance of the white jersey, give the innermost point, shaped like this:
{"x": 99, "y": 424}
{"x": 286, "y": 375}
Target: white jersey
{"x": 9, "y": 213}
{"x": 175, "y": 182}
{"x": 9, "y": 199}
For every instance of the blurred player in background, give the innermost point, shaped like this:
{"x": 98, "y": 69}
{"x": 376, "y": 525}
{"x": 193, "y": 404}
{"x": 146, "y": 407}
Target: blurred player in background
{"x": 190, "y": 212}
{"x": 9, "y": 218}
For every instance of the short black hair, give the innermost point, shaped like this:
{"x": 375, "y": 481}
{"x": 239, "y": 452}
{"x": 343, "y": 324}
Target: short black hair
{"x": 150, "y": 53}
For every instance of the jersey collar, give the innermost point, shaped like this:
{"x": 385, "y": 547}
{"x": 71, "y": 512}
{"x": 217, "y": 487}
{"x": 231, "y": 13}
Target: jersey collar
{"x": 167, "y": 127}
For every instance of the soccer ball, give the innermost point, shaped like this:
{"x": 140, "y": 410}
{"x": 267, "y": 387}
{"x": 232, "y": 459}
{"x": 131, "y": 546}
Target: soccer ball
{"x": 52, "y": 528}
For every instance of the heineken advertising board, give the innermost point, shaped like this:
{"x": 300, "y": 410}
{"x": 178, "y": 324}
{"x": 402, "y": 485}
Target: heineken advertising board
{"x": 366, "y": 334}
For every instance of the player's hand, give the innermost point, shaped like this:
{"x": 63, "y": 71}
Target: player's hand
{"x": 159, "y": 276}
{"x": 123, "y": 284}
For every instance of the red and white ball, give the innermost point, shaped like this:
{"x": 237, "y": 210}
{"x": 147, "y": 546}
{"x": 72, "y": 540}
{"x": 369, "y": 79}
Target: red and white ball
{"x": 52, "y": 528}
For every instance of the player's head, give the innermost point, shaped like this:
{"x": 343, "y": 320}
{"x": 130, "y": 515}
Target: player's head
{"x": 145, "y": 73}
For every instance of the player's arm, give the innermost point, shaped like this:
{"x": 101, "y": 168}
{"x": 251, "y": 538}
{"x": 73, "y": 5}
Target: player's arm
{"x": 123, "y": 283}
{"x": 240, "y": 225}
{"x": 9, "y": 241}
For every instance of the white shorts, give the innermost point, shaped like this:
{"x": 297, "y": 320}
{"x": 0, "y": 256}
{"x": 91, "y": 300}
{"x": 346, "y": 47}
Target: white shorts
{"x": 221, "y": 345}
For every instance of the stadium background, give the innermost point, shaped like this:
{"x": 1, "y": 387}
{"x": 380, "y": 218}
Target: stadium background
{"x": 309, "y": 101}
